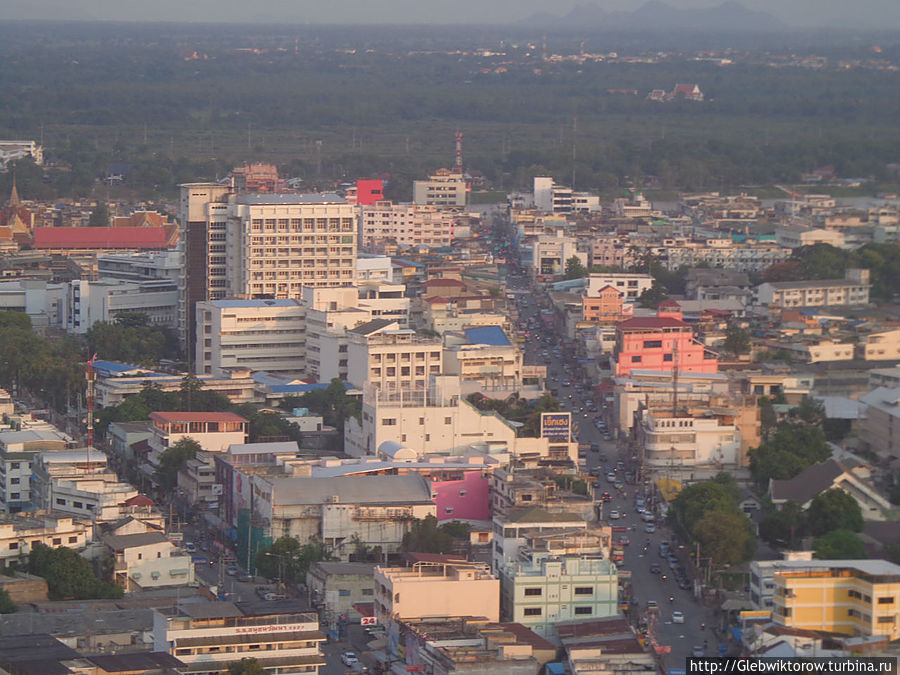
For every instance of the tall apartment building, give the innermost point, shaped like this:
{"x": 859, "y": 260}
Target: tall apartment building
{"x": 553, "y": 198}
{"x": 406, "y": 224}
{"x": 262, "y": 246}
{"x": 443, "y": 188}
{"x": 661, "y": 343}
{"x": 267, "y": 335}
{"x": 390, "y": 357}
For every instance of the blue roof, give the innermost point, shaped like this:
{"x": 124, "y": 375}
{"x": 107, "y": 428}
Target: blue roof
{"x": 283, "y": 302}
{"x": 556, "y": 668}
{"x": 113, "y": 366}
{"x": 487, "y": 335}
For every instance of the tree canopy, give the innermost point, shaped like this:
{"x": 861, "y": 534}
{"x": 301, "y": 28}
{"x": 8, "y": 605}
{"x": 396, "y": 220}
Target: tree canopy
{"x": 332, "y": 403}
{"x": 793, "y": 448}
{"x": 173, "y": 460}
{"x": 834, "y": 510}
{"x": 575, "y": 269}
{"x": 68, "y": 575}
{"x": 246, "y": 666}
{"x": 839, "y": 544}
{"x": 426, "y": 536}
{"x": 133, "y": 339}
{"x": 707, "y": 512}
{"x": 7, "y": 606}
{"x": 289, "y": 560}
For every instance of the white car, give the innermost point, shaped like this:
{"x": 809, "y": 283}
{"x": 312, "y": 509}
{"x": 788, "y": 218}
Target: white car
{"x": 650, "y": 529}
{"x": 614, "y": 515}
{"x": 348, "y": 658}
{"x": 677, "y": 617}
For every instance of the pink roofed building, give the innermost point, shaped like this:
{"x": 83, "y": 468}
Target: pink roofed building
{"x": 659, "y": 343}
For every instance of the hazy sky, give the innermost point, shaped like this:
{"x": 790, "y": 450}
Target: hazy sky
{"x": 859, "y": 13}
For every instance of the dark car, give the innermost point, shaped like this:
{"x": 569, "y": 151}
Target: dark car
{"x": 654, "y": 568}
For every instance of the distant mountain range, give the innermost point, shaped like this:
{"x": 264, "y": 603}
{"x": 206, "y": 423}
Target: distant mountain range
{"x": 656, "y": 15}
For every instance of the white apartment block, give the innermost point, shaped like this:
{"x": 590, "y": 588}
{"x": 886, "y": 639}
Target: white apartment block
{"x": 372, "y": 267}
{"x": 214, "y": 431}
{"x": 549, "y": 253}
{"x": 19, "y": 533}
{"x": 515, "y": 529}
{"x": 744, "y": 257}
{"x": 546, "y": 591}
{"x": 13, "y": 150}
{"x": 237, "y": 385}
{"x": 384, "y": 300}
{"x": 630, "y": 285}
{"x": 95, "y": 498}
{"x": 437, "y": 420}
{"x": 18, "y": 452}
{"x": 795, "y": 237}
{"x": 488, "y": 367}
{"x": 88, "y": 302}
{"x": 282, "y": 242}
{"x": 146, "y": 266}
{"x": 406, "y": 225}
{"x": 443, "y": 188}
{"x": 45, "y": 304}
{"x": 552, "y": 198}
{"x": 381, "y": 353}
{"x": 208, "y": 636}
{"x": 48, "y": 468}
{"x": 853, "y": 290}
{"x": 689, "y": 440}
{"x": 260, "y": 335}
{"x": 883, "y": 346}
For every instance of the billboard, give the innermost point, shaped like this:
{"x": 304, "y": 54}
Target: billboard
{"x": 556, "y": 425}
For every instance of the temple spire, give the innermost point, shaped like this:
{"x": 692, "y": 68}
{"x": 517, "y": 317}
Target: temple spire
{"x": 14, "y": 194}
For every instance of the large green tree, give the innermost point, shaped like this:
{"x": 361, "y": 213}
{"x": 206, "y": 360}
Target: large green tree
{"x": 426, "y": 536}
{"x": 793, "y": 448}
{"x": 68, "y": 575}
{"x": 737, "y": 340}
{"x": 785, "y": 526}
{"x": 727, "y": 537}
{"x": 289, "y": 560}
{"x": 834, "y": 510}
{"x": 133, "y": 339}
{"x": 575, "y": 269}
{"x": 839, "y": 545}
{"x": 173, "y": 460}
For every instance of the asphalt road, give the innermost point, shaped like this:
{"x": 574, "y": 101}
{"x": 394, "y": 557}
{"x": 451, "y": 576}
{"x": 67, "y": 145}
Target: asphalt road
{"x": 574, "y": 397}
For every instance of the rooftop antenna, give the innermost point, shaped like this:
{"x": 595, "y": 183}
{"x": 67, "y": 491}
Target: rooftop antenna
{"x": 544, "y": 48}
{"x": 459, "y": 163}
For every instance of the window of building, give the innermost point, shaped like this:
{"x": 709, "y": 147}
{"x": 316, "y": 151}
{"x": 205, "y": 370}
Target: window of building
{"x": 448, "y": 509}
{"x": 635, "y": 359}
{"x": 652, "y": 344}
{"x": 14, "y": 495}
{"x": 462, "y": 493}
{"x": 532, "y": 611}
{"x": 584, "y": 610}
{"x": 77, "y": 505}
{"x": 60, "y": 501}
{"x": 14, "y": 465}
{"x": 534, "y": 591}
{"x": 57, "y": 541}
{"x": 13, "y": 545}
{"x": 584, "y": 590}
{"x": 448, "y": 420}
{"x": 886, "y": 619}
{"x": 667, "y": 357}
{"x": 886, "y": 601}
{"x": 344, "y": 592}
{"x": 389, "y": 421}
{"x": 422, "y": 421}
{"x": 854, "y": 594}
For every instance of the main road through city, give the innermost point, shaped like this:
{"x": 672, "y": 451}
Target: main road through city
{"x": 543, "y": 347}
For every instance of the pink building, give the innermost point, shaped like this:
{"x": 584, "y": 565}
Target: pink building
{"x": 659, "y": 342}
{"x": 465, "y": 499}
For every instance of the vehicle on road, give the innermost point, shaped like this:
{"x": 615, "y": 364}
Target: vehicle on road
{"x": 614, "y": 515}
{"x": 245, "y": 578}
{"x": 677, "y": 616}
{"x": 232, "y": 570}
{"x": 652, "y": 607}
{"x": 348, "y": 658}
{"x": 697, "y": 651}
{"x": 269, "y": 597}
{"x": 190, "y": 547}
{"x": 650, "y": 528}
{"x": 654, "y": 568}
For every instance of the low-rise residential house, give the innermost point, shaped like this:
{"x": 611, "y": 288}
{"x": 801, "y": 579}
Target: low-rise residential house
{"x": 689, "y": 439}
{"x": 436, "y": 590}
{"x": 18, "y": 453}
{"x": 336, "y": 587}
{"x": 829, "y": 475}
{"x": 148, "y": 560}
{"x": 197, "y": 484}
{"x": 881, "y": 346}
{"x": 632, "y": 286}
{"x": 214, "y": 431}
{"x": 208, "y": 636}
{"x": 514, "y": 530}
{"x": 603, "y": 646}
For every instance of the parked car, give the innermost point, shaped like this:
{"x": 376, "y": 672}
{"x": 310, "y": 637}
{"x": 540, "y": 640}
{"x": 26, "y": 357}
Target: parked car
{"x": 348, "y": 658}
{"x": 677, "y": 616}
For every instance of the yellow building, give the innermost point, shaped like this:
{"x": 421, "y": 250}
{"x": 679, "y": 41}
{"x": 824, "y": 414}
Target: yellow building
{"x": 855, "y": 597}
